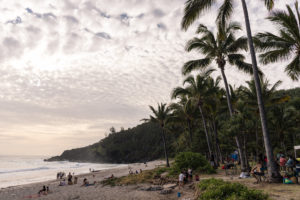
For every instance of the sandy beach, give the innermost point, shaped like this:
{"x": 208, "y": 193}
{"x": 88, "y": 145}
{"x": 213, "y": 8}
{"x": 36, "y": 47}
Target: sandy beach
{"x": 70, "y": 192}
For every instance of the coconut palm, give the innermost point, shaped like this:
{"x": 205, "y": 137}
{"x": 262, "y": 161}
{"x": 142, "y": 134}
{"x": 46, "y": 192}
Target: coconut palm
{"x": 286, "y": 45}
{"x": 198, "y": 92}
{"x": 161, "y": 116}
{"x": 222, "y": 48}
{"x": 193, "y": 9}
{"x": 184, "y": 112}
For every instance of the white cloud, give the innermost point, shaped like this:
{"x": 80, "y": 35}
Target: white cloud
{"x": 71, "y": 69}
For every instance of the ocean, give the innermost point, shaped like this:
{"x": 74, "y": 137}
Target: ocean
{"x": 18, "y": 170}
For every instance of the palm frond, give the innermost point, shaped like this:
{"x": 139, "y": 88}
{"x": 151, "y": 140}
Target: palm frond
{"x": 269, "y": 4}
{"x": 275, "y": 55}
{"x": 225, "y": 11}
{"x": 239, "y": 44}
{"x": 195, "y": 64}
{"x": 192, "y": 10}
{"x": 293, "y": 68}
{"x": 199, "y": 45}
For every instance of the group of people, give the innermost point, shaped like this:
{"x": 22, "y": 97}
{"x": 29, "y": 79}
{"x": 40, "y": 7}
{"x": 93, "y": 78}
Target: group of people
{"x": 70, "y": 178}
{"x": 136, "y": 171}
{"x": 291, "y": 164}
{"x": 186, "y": 176}
{"x": 60, "y": 175}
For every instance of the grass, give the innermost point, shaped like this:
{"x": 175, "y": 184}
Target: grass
{"x": 146, "y": 176}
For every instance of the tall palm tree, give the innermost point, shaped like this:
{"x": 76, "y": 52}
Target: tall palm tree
{"x": 220, "y": 48}
{"x": 193, "y": 9}
{"x": 161, "y": 116}
{"x": 286, "y": 45}
{"x": 198, "y": 92}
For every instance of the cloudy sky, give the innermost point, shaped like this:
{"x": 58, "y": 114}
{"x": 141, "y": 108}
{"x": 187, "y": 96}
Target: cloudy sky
{"x": 71, "y": 69}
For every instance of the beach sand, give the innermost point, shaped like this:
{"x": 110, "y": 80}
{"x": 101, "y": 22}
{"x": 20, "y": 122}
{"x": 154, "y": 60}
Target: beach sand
{"x": 74, "y": 192}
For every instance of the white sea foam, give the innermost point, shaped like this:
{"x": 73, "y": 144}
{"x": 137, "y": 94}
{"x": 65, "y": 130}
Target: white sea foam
{"x": 18, "y": 170}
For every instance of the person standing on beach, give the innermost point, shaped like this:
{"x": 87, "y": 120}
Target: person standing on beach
{"x": 70, "y": 179}
{"x": 181, "y": 179}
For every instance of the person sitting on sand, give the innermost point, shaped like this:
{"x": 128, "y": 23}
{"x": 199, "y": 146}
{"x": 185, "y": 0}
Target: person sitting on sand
{"x": 112, "y": 176}
{"x": 181, "y": 180}
{"x": 290, "y": 163}
{"x": 86, "y": 183}
{"x": 257, "y": 171}
{"x": 62, "y": 183}
{"x": 43, "y": 191}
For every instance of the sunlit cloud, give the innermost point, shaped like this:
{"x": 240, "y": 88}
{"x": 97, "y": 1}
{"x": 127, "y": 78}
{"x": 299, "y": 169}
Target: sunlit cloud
{"x": 71, "y": 69}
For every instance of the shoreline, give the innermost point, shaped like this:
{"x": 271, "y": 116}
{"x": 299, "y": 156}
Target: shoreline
{"x": 24, "y": 191}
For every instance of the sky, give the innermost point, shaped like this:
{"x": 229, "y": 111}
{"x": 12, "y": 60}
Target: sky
{"x": 71, "y": 69}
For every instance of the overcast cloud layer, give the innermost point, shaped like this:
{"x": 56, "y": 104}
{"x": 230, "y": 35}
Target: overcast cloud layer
{"x": 70, "y": 69}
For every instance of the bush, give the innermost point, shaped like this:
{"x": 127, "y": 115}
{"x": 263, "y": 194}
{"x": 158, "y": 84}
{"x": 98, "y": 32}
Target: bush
{"x": 195, "y": 161}
{"x": 217, "y": 189}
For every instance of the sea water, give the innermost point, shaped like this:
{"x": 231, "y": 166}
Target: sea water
{"x": 18, "y": 170}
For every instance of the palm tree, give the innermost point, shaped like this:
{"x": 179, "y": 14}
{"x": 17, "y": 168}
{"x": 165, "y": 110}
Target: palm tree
{"x": 184, "y": 112}
{"x": 224, "y": 47}
{"x": 281, "y": 47}
{"x": 161, "y": 116}
{"x": 193, "y": 9}
{"x": 198, "y": 92}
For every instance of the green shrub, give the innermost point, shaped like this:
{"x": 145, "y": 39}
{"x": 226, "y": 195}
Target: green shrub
{"x": 195, "y": 161}
{"x": 217, "y": 189}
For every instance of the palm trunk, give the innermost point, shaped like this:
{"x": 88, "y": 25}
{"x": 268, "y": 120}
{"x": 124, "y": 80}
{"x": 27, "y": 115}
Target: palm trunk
{"x": 205, "y": 130}
{"x": 218, "y": 154}
{"x": 227, "y": 91}
{"x": 165, "y": 147}
{"x": 273, "y": 171}
{"x": 241, "y": 152}
{"x": 190, "y": 133}
{"x": 245, "y": 151}
{"x": 256, "y": 140}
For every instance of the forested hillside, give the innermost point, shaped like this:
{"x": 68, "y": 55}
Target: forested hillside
{"x": 138, "y": 144}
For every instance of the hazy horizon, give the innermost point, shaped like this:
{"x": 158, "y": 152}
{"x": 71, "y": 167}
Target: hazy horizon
{"x": 72, "y": 69}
